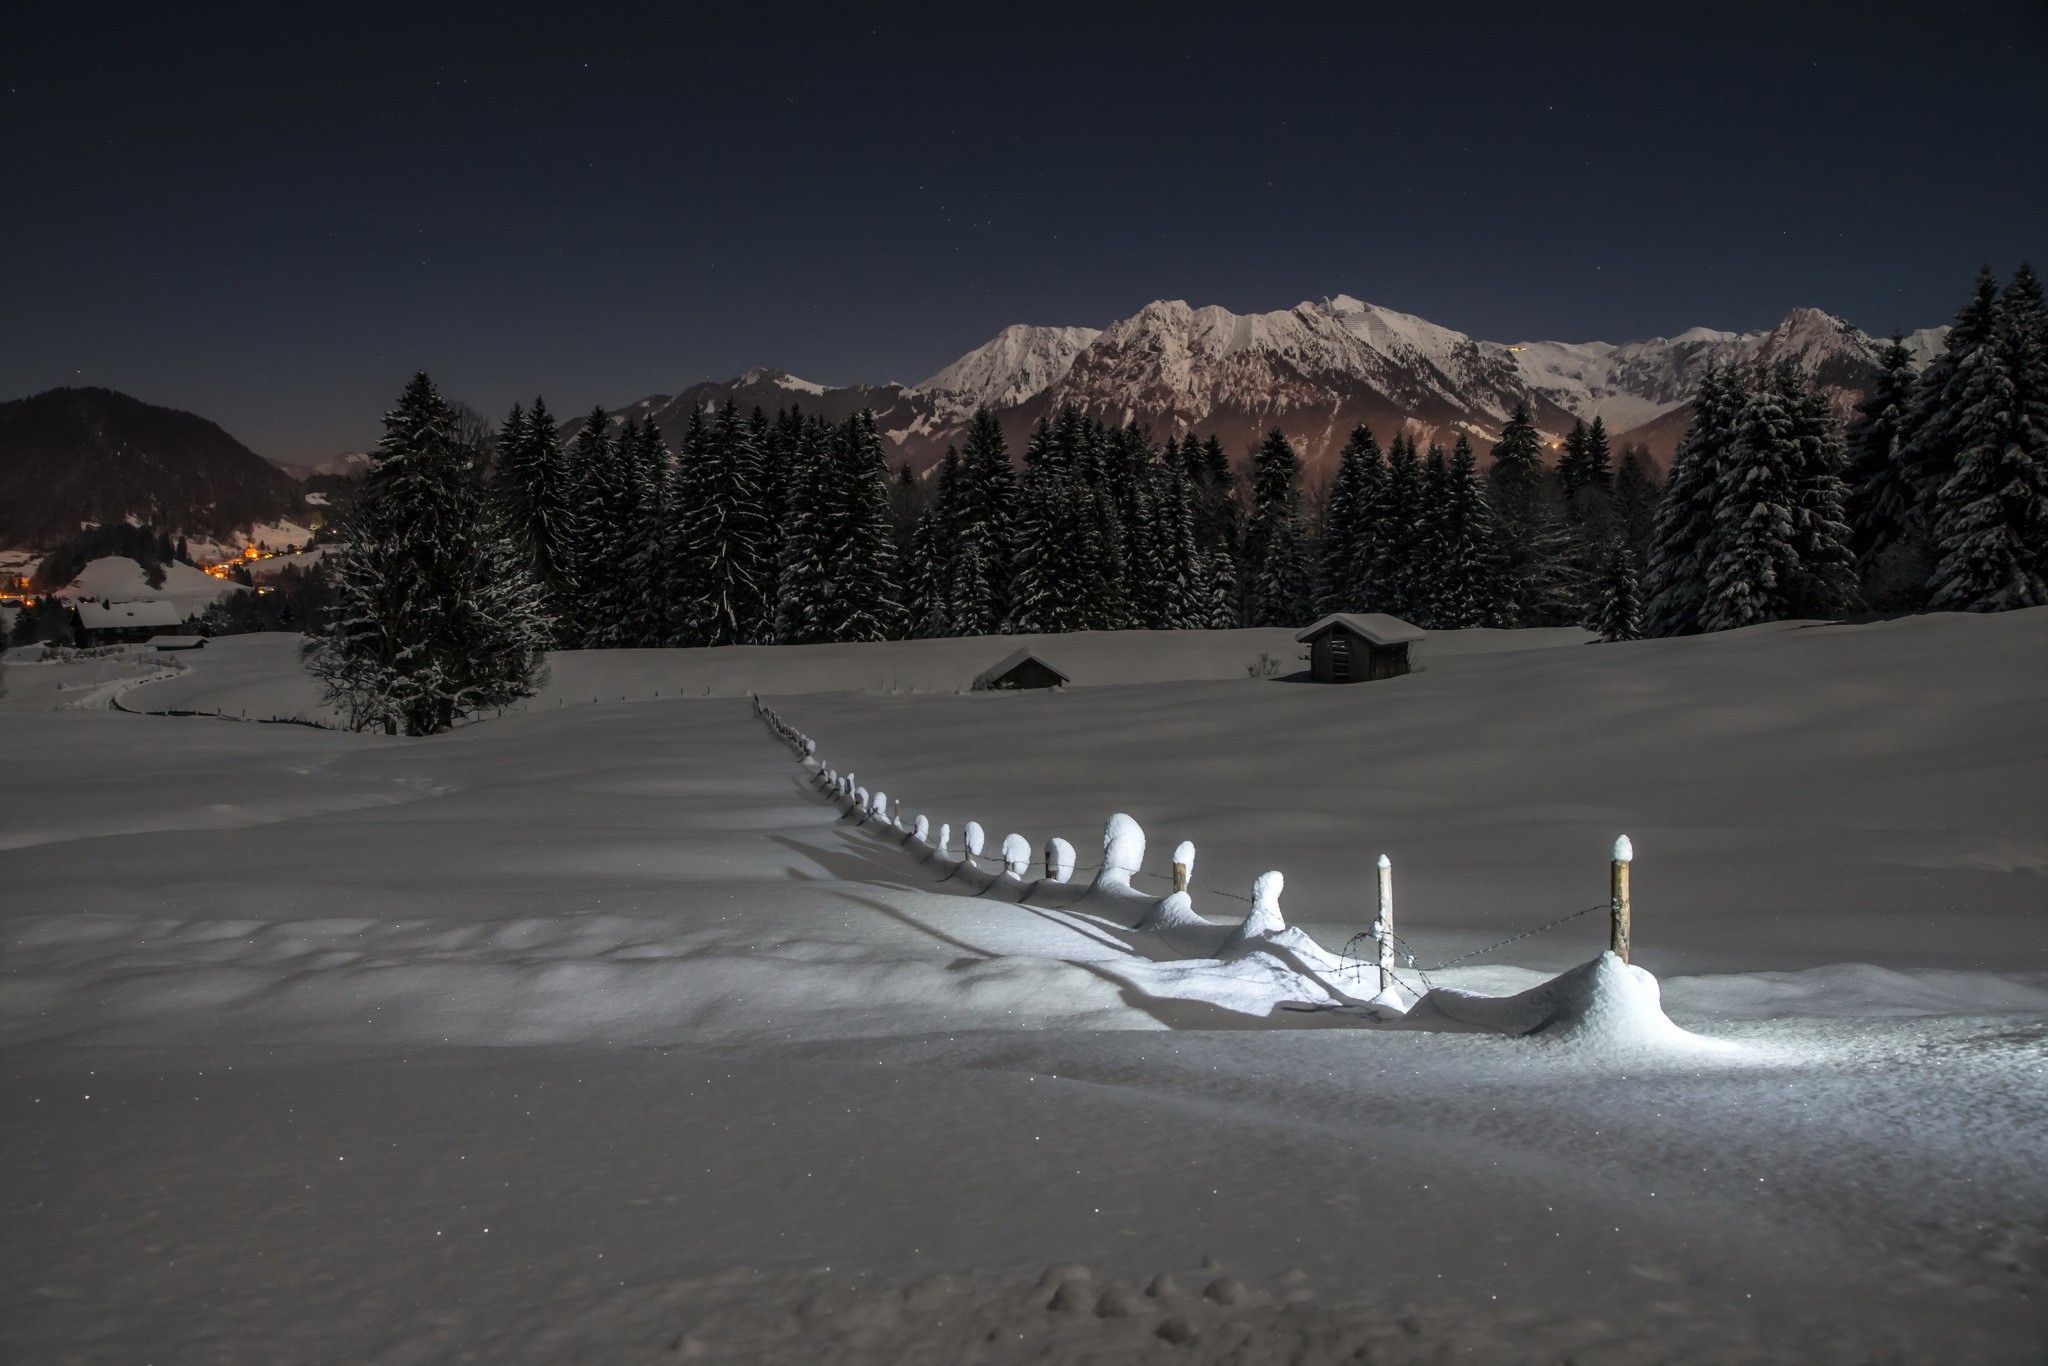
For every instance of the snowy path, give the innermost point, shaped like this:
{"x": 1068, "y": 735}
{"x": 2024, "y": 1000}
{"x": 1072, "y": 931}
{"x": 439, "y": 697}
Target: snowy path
{"x": 754, "y": 1083}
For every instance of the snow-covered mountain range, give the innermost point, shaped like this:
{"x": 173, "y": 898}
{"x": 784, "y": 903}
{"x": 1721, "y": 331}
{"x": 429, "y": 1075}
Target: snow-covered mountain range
{"x": 1316, "y": 371}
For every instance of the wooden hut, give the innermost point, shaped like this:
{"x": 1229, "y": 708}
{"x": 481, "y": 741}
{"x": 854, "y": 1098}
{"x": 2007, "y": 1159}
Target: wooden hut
{"x": 115, "y": 623}
{"x": 1355, "y": 647}
{"x": 1020, "y": 669}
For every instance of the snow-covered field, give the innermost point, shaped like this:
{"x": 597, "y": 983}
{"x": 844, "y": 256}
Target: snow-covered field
{"x": 600, "y": 1032}
{"x": 116, "y": 578}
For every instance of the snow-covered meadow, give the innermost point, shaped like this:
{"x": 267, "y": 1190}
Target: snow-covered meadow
{"x": 601, "y": 1031}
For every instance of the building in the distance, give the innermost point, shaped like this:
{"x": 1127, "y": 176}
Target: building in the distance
{"x": 117, "y": 623}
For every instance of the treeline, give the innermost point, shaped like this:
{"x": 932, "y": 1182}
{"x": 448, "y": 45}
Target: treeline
{"x": 466, "y": 555}
{"x": 1939, "y": 501}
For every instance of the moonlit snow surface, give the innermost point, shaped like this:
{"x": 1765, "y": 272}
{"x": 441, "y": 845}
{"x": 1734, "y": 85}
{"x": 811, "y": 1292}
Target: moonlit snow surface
{"x": 605, "y": 1032}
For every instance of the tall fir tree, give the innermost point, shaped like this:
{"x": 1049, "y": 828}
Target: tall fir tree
{"x": 1891, "y": 549}
{"x": 1686, "y": 535}
{"x": 536, "y": 492}
{"x": 863, "y": 567}
{"x": 1350, "y": 536}
{"x": 983, "y": 530}
{"x": 1755, "y": 572}
{"x": 1535, "y": 545}
{"x": 1617, "y": 602}
{"x": 1826, "y": 583}
{"x": 1991, "y": 515}
{"x": 436, "y": 614}
{"x": 1279, "y": 584}
{"x": 1466, "y": 550}
{"x": 1397, "y": 574}
{"x": 804, "y": 609}
{"x": 1929, "y": 442}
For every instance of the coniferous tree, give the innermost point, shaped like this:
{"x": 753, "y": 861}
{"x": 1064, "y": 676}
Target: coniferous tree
{"x": 1891, "y": 552}
{"x": 436, "y": 616}
{"x": 537, "y": 499}
{"x": 727, "y": 535}
{"x": 1755, "y": 572}
{"x": 1618, "y": 611}
{"x": 1279, "y": 584}
{"x": 1397, "y": 571}
{"x": 1826, "y": 583}
{"x": 983, "y": 529}
{"x": 1928, "y": 441}
{"x": 804, "y": 609}
{"x": 613, "y": 607}
{"x": 1685, "y": 539}
{"x": 1535, "y": 545}
{"x": 1351, "y": 526}
{"x": 1991, "y": 515}
{"x": 864, "y": 602}
{"x": 1466, "y": 550}
{"x": 934, "y": 555}
{"x": 1637, "y": 490}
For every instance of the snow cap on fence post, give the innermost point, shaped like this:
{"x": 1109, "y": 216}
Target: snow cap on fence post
{"x": 1016, "y": 855}
{"x": 860, "y": 799}
{"x": 811, "y": 747}
{"x": 1123, "y": 851}
{"x": 945, "y": 836}
{"x": 1183, "y": 865}
{"x": 1059, "y": 859}
{"x": 1618, "y": 932}
{"x": 923, "y": 828}
{"x": 880, "y": 806}
{"x": 974, "y": 838}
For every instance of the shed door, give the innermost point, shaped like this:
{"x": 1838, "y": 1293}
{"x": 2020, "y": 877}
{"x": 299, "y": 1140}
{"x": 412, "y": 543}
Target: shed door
{"x": 1340, "y": 657}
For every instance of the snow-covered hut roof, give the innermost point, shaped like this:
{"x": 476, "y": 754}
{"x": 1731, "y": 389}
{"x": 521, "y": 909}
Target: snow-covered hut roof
{"x": 1376, "y": 627}
{"x": 126, "y": 616}
{"x": 1016, "y": 657}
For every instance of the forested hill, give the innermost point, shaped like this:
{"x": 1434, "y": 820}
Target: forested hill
{"x": 70, "y": 456}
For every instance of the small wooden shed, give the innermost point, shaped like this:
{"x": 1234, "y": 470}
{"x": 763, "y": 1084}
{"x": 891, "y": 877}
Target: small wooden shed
{"x": 1356, "y": 647}
{"x": 1020, "y": 669}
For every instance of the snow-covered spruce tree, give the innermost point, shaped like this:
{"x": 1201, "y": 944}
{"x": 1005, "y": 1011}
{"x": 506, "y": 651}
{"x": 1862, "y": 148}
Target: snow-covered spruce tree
{"x": 1596, "y": 468}
{"x": 1991, "y": 516}
{"x": 1350, "y": 526}
{"x": 1826, "y": 585}
{"x": 1892, "y": 560}
{"x": 612, "y": 615}
{"x": 605, "y": 496}
{"x": 1397, "y": 581}
{"x": 1928, "y": 440}
{"x": 864, "y": 604}
{"x": 1617, "y": 612}
{"x": 985, "y": 517}
{"x": 1685, "y": 539}
{"x": 1279, "y": 584}
{"x": 1637, "y": 490}
{"x": 1177, "y": 588}
{"x": 1535, "y": 544}
{"x": 811, "y": 519}
{"x": 436, "y": 614}
{"x": 537, "y": 499}
{"x": 934, "y": 555}
{"x": 1755, "y": 572}
{"x": 1467, "y": 550}
{"x": 726, "y": 534}
{"x": 636, "y": 612}
{"x": 1424, "y": 581}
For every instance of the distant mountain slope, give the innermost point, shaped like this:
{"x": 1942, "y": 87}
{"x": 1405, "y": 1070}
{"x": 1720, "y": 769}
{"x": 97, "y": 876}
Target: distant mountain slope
{"x": 71, "y": 456}
{"x": 1316, "y": 371}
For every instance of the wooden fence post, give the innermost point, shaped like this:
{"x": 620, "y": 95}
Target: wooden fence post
{"x": 1618, "y": 933}
{"x": 1386, "y": 925}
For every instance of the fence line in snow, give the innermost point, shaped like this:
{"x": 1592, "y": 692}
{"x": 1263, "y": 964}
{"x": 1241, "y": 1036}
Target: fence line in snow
{"x": 1123, "y": 835}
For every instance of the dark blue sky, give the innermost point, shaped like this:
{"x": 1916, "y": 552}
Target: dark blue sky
{"x": 272, "y": 214}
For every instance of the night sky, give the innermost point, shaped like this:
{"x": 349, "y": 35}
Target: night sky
{"x": 272, "y": 215}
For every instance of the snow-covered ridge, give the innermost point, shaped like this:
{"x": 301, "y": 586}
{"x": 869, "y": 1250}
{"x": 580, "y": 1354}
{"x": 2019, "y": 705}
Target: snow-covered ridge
{"x": 1017, "y": 364}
